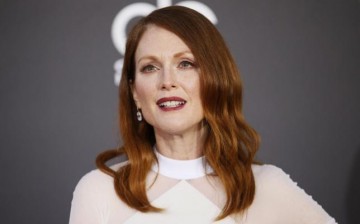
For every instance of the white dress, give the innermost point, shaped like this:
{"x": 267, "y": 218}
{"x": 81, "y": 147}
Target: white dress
{"x": 188, "y": 195}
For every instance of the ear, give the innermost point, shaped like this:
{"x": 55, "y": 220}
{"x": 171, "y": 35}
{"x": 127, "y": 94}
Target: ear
{"x": 134, "y": 94}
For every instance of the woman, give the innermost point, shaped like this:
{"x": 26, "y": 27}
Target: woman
{"x": 190, "y": 153}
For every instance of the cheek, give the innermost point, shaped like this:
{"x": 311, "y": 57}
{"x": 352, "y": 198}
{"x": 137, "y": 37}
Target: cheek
{"x": 143, "y": 92}
{"x": 194, "y": 91}
{"x": 192, "y": 86}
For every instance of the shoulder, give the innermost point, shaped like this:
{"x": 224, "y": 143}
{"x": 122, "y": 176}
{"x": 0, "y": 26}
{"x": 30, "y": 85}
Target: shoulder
{"x": 272, "y": 181}
{"x": 96, "y": 181}
{"x": 266, "y": 170}
{"x": 270, "y": 174}
{"x": 94, "y": 198}
{"x": 280, "y": 196}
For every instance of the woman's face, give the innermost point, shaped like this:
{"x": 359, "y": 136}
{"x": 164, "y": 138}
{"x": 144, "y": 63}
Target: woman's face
{"x": 167, "y": 86}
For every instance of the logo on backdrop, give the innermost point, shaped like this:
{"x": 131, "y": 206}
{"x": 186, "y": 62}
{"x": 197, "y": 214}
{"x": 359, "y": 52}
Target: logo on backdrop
{"x": 141, "y": 9}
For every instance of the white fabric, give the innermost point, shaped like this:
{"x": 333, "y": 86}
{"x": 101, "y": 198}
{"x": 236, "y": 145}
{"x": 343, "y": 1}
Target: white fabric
{"x": 278, "y": 200}
{"x": 181, "y": 169}
{"x": 184, "y": 194}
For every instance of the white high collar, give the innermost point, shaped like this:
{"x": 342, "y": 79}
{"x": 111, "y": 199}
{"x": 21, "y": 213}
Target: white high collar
{"x": 181, "y": 169}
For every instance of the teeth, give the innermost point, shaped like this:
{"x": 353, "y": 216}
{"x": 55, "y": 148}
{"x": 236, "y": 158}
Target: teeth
{"x": 172, "y": 103}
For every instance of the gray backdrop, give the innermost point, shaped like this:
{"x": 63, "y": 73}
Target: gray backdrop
{"x": 299, "y": 61}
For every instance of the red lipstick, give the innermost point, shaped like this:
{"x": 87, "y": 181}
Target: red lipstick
{"x": 171, "y": 103}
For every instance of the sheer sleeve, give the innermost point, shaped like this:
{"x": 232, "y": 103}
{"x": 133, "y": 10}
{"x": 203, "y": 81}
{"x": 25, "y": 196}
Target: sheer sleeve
{"x": 88, "y": 205}
{"x": 280, "y": 200}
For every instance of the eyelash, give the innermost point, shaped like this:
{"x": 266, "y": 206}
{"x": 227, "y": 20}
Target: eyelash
{"x": 186, "y": 64}
{"x": 182, "y": 65}
{"x": 148, "y": 69}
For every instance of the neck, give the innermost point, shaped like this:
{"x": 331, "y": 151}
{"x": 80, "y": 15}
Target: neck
{"x": 184, "y": 146}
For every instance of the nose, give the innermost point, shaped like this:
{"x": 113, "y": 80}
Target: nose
{"x": 168, "y": 79}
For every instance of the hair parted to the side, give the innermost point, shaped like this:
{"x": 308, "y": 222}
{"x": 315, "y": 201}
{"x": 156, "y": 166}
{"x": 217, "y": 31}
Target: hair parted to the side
{"x": 231, "y": 144}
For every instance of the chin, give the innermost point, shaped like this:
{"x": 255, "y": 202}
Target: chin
{"x": 178, "y": 129}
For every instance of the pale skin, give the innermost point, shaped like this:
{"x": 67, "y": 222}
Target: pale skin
{"x": 167, "y": 90}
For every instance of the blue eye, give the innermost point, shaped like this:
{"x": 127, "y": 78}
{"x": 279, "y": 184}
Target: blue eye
{"x": 186, "y": 64}
{"x": 148, "y": 69}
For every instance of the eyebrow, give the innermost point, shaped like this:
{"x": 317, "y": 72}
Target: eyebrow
{"x": 182, "y": 53}
{"x": 177, "y": 55}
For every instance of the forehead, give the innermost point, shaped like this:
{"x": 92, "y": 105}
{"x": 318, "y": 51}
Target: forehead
{"x": 157, "y": 41}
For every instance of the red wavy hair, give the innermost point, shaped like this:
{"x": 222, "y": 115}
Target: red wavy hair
{"x": 231, "y": 143}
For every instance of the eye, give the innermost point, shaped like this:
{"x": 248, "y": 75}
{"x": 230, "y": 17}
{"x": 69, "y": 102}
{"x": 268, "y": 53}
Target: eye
{"x": 148, "y": 69}
{"x": 186, "y": 64}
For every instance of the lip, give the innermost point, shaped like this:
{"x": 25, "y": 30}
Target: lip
{"x": 173, "y": 98}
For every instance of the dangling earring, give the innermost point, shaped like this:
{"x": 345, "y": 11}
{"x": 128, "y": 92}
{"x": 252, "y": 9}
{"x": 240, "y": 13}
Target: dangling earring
{"x": 138, "y": 115}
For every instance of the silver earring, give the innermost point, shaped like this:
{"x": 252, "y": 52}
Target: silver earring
{"x": 138, "y": 115}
